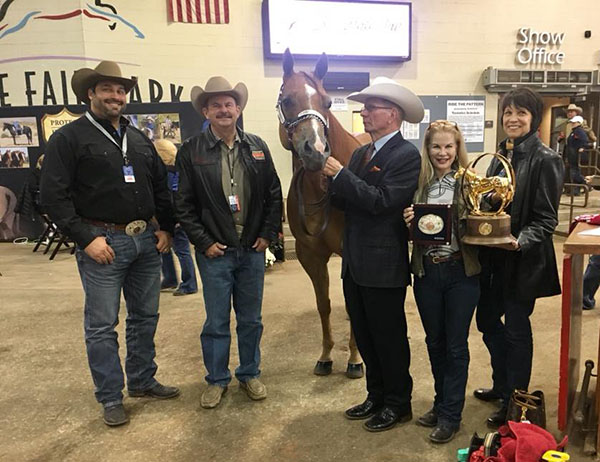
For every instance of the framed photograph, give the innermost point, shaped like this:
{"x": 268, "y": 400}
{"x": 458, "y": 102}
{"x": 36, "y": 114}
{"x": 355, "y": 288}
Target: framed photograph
{"x": 19, "y": 132}
{"x": 156, "y": 126}
{"x": 14, "y": 158}
{"x": 432, "y": 224}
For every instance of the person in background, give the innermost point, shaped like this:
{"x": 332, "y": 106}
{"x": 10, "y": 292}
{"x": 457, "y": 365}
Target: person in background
{"x": 446, "y": 285}
{"x": 577, "y": 143}
{"x": 181, "y": 244}
{"x": 514, "y": 275}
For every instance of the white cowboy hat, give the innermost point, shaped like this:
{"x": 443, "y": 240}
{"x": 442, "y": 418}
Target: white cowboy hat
{"x": 86, "y": 78}
{"x": 574, "y": 107}
{"x": 218, "y": 86}
{"x": 391, "y": 91}
{"x": 576, "y": 120}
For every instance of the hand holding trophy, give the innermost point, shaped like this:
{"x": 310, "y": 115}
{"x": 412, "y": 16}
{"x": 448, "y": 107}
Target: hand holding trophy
{"x": 488, "y": 228}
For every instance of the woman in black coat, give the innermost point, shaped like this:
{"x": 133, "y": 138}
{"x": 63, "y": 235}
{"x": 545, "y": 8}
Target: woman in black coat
{"x": 516, "y": 274}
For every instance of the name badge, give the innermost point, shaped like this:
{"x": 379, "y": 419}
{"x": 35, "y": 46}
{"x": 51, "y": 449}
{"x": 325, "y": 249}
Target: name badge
{"x": 258, "y": 155}
{"x": 234, "y": 203}
{"x": 128, "y": 174}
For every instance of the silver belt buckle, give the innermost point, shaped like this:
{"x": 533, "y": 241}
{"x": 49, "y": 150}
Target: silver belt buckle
{"x": 135, "y": 228}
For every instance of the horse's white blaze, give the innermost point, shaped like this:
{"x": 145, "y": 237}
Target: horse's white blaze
{"x": 319, "y": 146}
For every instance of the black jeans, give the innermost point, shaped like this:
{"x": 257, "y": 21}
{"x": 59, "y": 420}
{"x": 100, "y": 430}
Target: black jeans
{"x": 510, "y": 343}
{"x": 379, "y": 325}
{"x": 446, "y": 299}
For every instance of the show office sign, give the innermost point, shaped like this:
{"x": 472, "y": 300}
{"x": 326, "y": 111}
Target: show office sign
{"x": 539, "y": 47}
{"x": 54, "y": 88}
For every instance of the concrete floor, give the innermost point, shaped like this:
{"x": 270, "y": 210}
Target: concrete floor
{"x": 48, "y": 412}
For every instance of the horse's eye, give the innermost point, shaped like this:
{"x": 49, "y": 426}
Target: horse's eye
{"x": 327, "y": 102}
{"x": 286, "y": 102}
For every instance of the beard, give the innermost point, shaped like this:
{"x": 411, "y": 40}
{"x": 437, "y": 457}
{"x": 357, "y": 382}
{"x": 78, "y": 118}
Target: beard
{"x": 109, "y": 108}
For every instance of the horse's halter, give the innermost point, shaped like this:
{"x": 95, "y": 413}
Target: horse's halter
{"x": 290, "y": 125}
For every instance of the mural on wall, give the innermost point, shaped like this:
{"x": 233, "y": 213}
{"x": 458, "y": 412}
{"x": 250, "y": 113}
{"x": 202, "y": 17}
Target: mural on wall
{"x": 99, "y": 11}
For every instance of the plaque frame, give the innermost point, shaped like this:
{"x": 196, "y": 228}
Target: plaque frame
{"x": 444, "y": 236}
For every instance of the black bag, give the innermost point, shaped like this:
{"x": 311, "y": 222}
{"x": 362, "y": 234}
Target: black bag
{"x": 527, "y": 406}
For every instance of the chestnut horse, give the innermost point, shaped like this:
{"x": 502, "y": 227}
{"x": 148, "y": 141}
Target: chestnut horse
{"x": 312, "y": 133}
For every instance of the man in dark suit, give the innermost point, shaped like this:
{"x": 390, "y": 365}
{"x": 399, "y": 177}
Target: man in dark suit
{"x": 373, "y": 189}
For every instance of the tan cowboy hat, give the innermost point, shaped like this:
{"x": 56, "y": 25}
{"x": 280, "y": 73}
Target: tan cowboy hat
{"x": 218, "y": 86}
{"x": 84, "y": 79}
{"x": 574, "y": 107}
{"x": 391, "y": 91}
{"x": 166, "y": 150}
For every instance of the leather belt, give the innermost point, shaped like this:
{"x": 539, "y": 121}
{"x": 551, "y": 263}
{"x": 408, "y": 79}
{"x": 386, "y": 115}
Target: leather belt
{"x": 133, "y": 228}
{"x": 437, "y": 259}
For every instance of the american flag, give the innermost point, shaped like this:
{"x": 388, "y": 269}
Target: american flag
{"x": 199, "y": 11}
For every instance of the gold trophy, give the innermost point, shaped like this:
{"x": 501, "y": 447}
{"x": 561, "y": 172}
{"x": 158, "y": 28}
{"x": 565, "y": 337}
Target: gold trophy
{"x": 486, "y": 227}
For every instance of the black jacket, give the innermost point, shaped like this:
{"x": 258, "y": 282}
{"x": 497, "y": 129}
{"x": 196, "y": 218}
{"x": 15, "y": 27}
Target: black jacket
{"x": 201, "y": 206}
{"x": 375, "y": 236}
{"x": 577, "y": 140}
{"x": 531, "y": 271}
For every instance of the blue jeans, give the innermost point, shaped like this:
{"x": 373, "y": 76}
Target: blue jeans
{"x": 446, "y": 300}
{"x": 136, "y": 271}
{"x": 591, "y": 281}
{"x": 181, "y": 246}
{"x": 238, "y": 277}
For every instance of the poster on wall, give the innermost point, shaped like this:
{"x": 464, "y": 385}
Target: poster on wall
{"x": 409, "y": 131}
{"x": 156, "y": 126}
{"x": 470, "y": 117}
{"x": 14, "y": 158}
{"x": 52, "y": 122}
{"x": 18, "y": 132}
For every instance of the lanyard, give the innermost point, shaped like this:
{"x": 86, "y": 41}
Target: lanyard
{"x": 123, "y": 148}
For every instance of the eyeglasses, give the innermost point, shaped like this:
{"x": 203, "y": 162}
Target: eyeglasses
{"x": 372, "y": 107}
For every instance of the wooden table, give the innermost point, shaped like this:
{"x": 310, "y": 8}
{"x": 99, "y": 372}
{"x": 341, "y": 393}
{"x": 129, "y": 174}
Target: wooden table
{"x": 574, "y": 249}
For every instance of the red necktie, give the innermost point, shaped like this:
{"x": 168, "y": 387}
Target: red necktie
{"x": 367, "y": 156}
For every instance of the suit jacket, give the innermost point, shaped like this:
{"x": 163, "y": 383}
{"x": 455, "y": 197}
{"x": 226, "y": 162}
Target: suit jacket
{"x": 531, "y": 272}
{"x": 375, "y": 248}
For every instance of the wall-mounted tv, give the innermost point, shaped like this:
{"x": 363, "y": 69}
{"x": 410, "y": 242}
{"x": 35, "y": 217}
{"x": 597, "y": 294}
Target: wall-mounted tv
{"x": 352, "y": 29}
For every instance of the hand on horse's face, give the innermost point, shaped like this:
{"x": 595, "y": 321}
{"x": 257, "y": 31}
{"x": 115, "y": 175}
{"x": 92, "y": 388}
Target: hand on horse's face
{"x": 332, "y": 167}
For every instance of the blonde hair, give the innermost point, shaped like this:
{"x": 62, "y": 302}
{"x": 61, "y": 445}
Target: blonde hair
{"x": 462, "y": 158}
{"x": 39, "y": 162}
{"x": 166, "y": 150}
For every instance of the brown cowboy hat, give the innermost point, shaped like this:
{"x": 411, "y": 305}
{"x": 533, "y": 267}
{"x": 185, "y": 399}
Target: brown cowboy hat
{"x": 85, "y": 78}
{"x": 392, "y": 91}
{"x": 574, "y": 107}
{"x": 218, "y": 86}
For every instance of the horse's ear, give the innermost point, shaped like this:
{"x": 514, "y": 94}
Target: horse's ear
{"x": 288, "y": 63}
{"x": 321, "y": 67}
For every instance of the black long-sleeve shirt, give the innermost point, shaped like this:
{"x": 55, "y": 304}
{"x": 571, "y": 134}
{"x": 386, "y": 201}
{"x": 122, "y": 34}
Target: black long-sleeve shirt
{"x": 82, "y": 178}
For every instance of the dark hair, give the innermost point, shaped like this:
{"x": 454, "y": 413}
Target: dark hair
{"x": 525, "y": 98}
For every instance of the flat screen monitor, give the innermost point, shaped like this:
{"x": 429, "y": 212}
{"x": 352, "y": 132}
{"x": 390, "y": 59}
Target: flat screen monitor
{"x": 352, "y": 29}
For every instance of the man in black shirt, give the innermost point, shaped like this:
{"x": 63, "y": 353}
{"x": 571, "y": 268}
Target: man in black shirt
{"x": 105, "y": 186}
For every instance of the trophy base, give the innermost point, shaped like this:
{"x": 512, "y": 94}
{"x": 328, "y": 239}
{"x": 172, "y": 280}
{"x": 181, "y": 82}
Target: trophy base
{"x": 488, "y": 230}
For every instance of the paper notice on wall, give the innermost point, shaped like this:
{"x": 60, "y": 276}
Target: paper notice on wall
{"x": 339, "y": 104}
{"x": 410, "y": 131}
{"x": 470, "y": 117}
{"x": 426, "y": 117}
